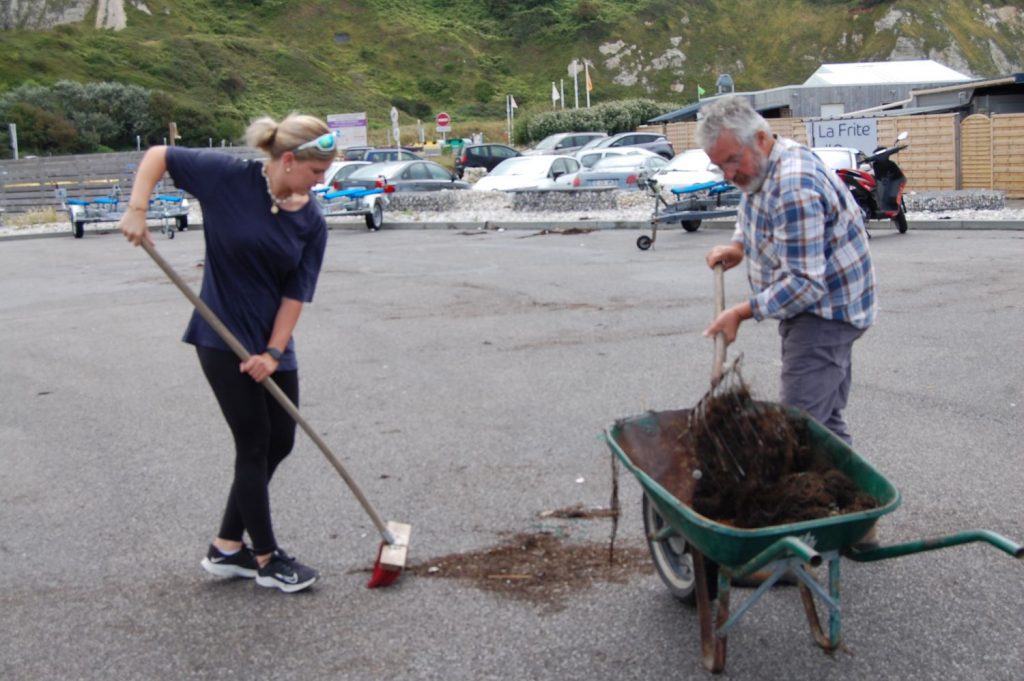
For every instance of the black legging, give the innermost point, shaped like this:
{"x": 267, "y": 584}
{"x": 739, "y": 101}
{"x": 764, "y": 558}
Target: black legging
{"x": 264, "y": 434}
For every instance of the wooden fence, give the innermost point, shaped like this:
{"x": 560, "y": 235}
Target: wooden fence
{"x": 981, "y": 152}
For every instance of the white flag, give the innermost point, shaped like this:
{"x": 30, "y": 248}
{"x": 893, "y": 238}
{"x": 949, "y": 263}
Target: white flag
{"x": 554, "y": 93}
{"x": 512, "y": 102}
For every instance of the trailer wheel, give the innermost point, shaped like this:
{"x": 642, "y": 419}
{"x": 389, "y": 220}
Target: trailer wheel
{"x": 691, "y": 225}
{"x": 78, "y": 229}
{"x": 673, "y": 559}
{"x": 182, "y": 222}
{"x": 375, "y": 218}
{"x": 644, "y": 242}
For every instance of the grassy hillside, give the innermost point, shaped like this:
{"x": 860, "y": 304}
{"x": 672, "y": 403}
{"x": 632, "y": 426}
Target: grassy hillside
{"x": 237, "y": 58}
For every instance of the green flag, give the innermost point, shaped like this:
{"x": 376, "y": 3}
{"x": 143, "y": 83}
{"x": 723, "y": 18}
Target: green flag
{"x": 700, "y": 91}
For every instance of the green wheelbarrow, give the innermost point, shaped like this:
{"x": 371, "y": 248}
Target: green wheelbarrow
{"x": 698, "y": 558}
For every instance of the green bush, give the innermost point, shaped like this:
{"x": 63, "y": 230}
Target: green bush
{"x": 41, "y": 131}
{"x": 611, "y": 117}
{"x": 107, "y": 114}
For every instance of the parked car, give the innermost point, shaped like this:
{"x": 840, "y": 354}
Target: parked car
{"x": 338, "y": 171}
{"x": 405, "y": 176}
{"x": 528, "y": 172}
{"x": 652, "y": 141}
{"x": 355, "y": 153}
{"x": 686, "y": 169}
{"x": 380, "y": 155}
{"x": 839, "y": 158}
{"x": 620, "y": 172}
{"x": 482, "y": 156}
{"x": 563, "y": 143}
{"x": 588, "y": 157}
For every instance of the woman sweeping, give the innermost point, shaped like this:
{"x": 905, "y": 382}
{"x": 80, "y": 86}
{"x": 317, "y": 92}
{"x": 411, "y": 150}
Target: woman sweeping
{"x": 265, "y": 240}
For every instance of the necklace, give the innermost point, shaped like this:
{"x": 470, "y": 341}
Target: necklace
{"x": 275, "y": 202}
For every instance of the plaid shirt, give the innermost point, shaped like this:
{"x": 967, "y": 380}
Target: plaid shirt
{"x": 804, "y": 242}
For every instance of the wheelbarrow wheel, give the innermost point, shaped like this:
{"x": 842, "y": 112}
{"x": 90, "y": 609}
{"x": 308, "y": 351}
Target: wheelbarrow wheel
{"x": 673, "y": 559}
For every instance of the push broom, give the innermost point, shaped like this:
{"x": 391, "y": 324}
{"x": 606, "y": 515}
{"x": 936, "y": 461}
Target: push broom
{"x": 392, "y": 553}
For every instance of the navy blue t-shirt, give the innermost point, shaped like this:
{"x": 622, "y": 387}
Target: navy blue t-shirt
{"x": 254, "y": 258}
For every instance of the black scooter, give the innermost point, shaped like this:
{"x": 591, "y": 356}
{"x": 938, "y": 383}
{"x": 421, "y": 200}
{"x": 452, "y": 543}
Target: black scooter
{"x": 879, "y": 193}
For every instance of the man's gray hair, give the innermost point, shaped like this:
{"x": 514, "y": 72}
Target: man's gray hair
{"x": 732, "y": 113}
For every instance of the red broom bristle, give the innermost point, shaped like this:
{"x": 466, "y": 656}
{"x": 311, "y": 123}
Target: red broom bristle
{"x": 382, "y": 576}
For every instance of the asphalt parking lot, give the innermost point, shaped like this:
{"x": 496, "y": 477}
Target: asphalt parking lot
{"x": 464, "y": 378}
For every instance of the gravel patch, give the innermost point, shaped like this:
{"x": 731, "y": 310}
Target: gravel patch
{"x": 584, "y": 206}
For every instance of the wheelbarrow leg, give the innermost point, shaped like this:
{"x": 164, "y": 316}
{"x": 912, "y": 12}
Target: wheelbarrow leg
{"x": 712, "y": 647}
{"x": 833, "y": 640}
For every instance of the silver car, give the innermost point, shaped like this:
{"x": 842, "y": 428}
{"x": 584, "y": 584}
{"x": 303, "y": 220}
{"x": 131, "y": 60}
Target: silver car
{"x": 620, "y": 172}
{"x": 563, "y": 143}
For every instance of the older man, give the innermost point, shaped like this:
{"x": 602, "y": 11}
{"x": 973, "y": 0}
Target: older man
{"x": 807, "y": 255}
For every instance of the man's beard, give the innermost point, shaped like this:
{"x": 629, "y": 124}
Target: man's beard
{"x": 753, "y": 183}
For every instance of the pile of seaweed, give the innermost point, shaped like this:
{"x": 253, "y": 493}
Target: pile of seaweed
{"x": 757, "y": 465}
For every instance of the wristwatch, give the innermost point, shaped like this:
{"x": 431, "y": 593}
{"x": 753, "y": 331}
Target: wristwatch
{"x": 275, "y": 353}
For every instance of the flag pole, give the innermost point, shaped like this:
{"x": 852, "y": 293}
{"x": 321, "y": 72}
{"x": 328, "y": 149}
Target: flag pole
{"x": 576, "y": 81}
{"x": 586, "y": 70}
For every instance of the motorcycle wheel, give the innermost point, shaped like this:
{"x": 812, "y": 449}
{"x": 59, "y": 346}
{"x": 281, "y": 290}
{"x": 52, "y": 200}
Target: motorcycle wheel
{"x": 901, "y": 221}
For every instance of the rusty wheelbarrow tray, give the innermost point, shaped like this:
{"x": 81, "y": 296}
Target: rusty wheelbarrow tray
{"x": 698, "y": 557}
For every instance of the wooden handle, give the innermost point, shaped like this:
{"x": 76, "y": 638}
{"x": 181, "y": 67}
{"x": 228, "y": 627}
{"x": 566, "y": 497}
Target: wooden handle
{"x": 718, "y": 364}
{"x": 268, "y": 383}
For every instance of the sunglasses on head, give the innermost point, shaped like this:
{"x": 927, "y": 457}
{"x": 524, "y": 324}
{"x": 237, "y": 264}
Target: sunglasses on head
{"x": 326, "y": 143}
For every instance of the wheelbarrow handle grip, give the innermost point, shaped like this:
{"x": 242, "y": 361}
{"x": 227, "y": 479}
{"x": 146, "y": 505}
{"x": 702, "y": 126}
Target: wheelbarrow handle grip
{"x": 225, "y": 334}
{"x": 718, "y": 365}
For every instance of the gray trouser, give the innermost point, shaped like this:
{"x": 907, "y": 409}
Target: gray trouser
{"x": 816, "y": 368}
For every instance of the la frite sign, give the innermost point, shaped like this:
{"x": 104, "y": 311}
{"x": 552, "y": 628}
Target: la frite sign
{"x": 859, "y": 133}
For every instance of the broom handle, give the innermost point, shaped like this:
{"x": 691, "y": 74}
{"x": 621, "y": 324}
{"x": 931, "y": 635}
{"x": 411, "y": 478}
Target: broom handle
{"x": 719, "y": 359}
{"x": 268, "y": 383}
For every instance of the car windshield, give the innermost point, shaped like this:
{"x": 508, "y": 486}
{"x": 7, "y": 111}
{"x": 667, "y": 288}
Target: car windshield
{"x": 522, "y": 165}
{"x": 599, "y": 142}
{"x": 549, "y": 142}
{"x": 620, "y": 161}
{"x": 371, "y": 171}
{"x": 693, "y": 159}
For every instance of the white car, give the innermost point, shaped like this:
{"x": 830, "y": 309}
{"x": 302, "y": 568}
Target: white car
{"x": 686, "y": 169}
{"x": 527, "y": 172}
{"x": 338, "y": 171}
{"x": 839, "y": 158}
